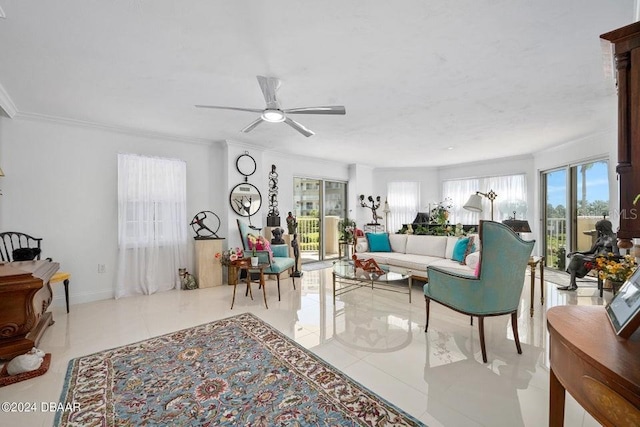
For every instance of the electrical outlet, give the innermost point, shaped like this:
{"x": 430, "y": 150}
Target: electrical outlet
{"x": 101, "y": 268}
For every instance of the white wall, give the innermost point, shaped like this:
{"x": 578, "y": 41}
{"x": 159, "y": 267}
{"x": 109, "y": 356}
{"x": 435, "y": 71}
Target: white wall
{"x": 287, "y": 167}
{"x": 430, "y": 187}
{"x": 61, "y": 185}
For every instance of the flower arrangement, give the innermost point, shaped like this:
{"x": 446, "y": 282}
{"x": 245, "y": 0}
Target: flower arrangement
{"x": 440, "y": 214}
{"x": 347, "y": 228}
{"x": 259, "y": 243}
{"x": 614, "y": 267}
{"x": 230, "y": 255}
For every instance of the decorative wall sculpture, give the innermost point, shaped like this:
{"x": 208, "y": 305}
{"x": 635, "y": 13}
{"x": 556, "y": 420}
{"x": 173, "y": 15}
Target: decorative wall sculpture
{"x": 273, "y": 217}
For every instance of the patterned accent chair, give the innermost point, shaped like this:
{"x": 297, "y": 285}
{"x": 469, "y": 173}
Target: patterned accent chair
{"x": 280, "y": 262}
{"x": 497, "y": 289}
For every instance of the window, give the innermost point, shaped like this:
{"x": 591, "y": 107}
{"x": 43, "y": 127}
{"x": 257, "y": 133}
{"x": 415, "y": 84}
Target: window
{"x": 511, "y": 191}
{"x": 404, "y": 199}
{"x": 152, "y": 224}
{"x": 152, "y": 200}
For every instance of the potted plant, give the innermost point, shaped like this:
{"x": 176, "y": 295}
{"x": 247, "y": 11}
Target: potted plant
{"x": 254, "y": 257}
{"x": 614, "y": 269}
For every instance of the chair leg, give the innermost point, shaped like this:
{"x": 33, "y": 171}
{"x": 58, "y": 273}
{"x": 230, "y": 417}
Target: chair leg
{"x": 426, "y": 323}
{"x": 482, "y": 346}
{"x": 278, "y": 278}
{"x": 514, "y": 326}
{"x": 471, "y": 320}
{"x": 66, "y": 292}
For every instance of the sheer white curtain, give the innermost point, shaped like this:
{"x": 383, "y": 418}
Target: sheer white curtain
{"x": 512, "y": 196}
{"x": 152, "y": 224}
{"x": 459, "y": 191}
{"x": 511, "y": 191}
{"x": 404, "y": 200}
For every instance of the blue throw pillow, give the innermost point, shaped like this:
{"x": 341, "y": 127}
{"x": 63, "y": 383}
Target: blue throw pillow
{"x": 378, "y": 242}
{"x": 460, "y": 249}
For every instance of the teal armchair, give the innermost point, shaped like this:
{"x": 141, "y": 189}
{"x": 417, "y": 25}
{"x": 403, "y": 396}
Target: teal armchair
{"x": 497, "y": 289}
{"x": 280, "y": 262}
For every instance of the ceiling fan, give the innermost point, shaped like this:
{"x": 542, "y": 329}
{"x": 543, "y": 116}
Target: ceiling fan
{"x": 273, "y": 113}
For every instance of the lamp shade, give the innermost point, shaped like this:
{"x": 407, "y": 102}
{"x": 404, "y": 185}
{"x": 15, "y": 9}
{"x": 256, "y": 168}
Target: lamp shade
{"x": 517, "y": 225}
{"x": 474, "y": 204}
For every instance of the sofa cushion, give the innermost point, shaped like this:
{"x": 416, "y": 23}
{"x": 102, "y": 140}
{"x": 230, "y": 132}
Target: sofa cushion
{"x": 398, "y": 243}
{"x": 472, "y": 260}
{"x": 426, "y": 245}
{"x": 362, "y": 245}
{"x": 379, "y": 257}
{"x": 378, "y": 242}
{"x": 451, "y": 243}
{"x": 476, "y": 242}
{"x": 415, "y": 263}
{"x": 450, "y": 264}
{"x": 459, "y": 251}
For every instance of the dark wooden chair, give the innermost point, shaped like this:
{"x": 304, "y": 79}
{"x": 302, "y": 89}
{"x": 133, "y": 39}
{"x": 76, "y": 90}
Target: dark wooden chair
{"x": 16, "y": 246}
{"x": 10, "y": 241}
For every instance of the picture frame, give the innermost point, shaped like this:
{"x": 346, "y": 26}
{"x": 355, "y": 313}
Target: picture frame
{"x": 624, "y": 309}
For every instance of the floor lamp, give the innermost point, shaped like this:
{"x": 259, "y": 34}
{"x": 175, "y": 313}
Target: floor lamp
{"x": 474, "y": 204}
{"x": 386, "y": 211}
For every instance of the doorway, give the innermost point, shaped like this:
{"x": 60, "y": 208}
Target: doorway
{"x": 575, "y": 198}
{"x": 319, "y": 206}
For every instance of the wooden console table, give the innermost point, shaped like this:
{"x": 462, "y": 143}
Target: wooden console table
{"x": 25, "y": 295}
{"x": 599, "y": 369}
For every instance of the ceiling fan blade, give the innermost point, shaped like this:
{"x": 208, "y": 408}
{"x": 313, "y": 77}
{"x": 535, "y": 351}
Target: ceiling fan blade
{"x": 251, "y": 110}
{"x": 269, "y": 86}
{"x": 332, "y": 109}
{"x": 297, "y": 126}
{"x": 252, "y": 125}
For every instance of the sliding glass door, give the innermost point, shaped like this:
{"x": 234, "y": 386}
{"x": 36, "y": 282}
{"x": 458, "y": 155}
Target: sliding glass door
{"x": 575, "y": 198}
{"x": 555, "y": 196}
{"x": 319, "y": 206}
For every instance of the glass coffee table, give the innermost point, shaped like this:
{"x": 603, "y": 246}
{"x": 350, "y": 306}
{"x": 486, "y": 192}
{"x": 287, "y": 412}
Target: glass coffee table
{"x": 348, "y": 277}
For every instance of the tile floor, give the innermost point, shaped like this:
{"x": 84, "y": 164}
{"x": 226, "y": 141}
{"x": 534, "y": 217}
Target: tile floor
{"x": 376, "y": 337}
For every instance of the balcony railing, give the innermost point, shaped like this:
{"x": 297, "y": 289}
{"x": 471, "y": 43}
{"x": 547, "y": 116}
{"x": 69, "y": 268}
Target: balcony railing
{"x": 556, "y": 228}
{"x": 309, "y": 233}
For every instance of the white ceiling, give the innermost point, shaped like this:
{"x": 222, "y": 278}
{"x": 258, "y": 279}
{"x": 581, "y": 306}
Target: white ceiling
{"x": 490, "y": 78}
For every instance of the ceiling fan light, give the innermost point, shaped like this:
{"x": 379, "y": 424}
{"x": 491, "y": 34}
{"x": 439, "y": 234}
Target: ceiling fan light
{"x": 273, "y": 116}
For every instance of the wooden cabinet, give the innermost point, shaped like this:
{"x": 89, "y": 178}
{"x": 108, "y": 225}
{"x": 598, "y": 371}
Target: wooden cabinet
{"x": 626, "y": 49}
{"x": 25, "y": 296}
{"x": 598, "y": 368}
{"x": 208, "y": 268}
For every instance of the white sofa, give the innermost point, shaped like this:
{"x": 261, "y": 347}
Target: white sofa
{"x": 415, "y": 253}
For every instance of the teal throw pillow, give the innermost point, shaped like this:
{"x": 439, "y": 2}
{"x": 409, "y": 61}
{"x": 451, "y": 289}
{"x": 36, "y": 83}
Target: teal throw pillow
{"x": 378, "y": 242}
{"x": 460, "y": 249}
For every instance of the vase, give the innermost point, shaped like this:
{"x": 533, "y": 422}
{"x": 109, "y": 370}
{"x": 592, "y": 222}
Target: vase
{"x": 254, "y": 261}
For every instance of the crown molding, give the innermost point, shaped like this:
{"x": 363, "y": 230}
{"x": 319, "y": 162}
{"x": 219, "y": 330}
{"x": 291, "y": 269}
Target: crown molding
{"x": 111, "y": 128}
{"x": 6, "y": 103}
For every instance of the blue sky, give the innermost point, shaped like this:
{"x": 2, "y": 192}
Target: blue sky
{"x": 597, "y": 184}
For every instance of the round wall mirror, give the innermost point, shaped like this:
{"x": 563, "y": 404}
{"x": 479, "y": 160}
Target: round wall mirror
{"x": 246, "y": 165}
{"x": 245, "y": 199}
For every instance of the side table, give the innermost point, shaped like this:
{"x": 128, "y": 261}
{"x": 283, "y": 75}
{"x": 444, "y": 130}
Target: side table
{"x": 533, "y": 262}
{"x": 245, "y": 264}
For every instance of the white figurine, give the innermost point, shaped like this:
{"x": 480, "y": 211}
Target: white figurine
{"x": 26, "y": 362}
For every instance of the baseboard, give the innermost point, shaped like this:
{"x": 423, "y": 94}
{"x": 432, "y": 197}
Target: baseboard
{"x": 59, "y": 301}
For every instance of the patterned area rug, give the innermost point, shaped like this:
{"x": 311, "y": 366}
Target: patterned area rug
{"x": 235, "y": 371}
